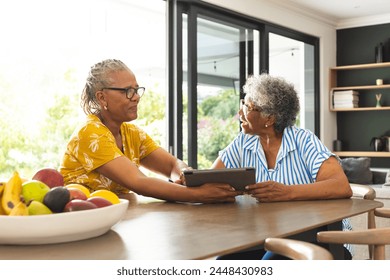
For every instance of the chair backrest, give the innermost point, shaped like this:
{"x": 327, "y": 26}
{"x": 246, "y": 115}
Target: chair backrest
{"x": 296, "y": 250}
{"x": 382, "y": 212}
{"x": 377, "y": 238}
{"x": 363, "y": 191}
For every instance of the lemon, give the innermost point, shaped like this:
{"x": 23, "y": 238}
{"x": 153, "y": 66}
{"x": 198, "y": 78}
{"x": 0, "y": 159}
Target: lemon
{"x": 82, "y": 188}
{"x": 109, "y": 195}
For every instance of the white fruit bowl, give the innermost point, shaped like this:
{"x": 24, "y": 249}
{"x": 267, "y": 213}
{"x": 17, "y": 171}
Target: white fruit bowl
{"x": 60, "y": 227}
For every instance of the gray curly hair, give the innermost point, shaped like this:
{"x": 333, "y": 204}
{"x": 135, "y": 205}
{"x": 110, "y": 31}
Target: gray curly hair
{"x": 98, "y": 78}
{"x": 273, "y": 96}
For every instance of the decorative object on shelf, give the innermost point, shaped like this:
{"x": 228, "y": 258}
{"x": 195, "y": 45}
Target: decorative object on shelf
{"x": 379, "y": 82}
{"x": 378, "y": 99}
{"x": 337, "y": 145}
{"x": 377, "y": 142}
{"x": 379, "y": 53}
{"x": 386, "y": 143}
{"x": 386, "y": 50}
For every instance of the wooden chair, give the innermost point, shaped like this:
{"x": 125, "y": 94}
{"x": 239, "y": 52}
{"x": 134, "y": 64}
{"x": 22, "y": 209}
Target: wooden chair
{"x": 382, "y": 212}
{"x": 366, "y": 192}
{"x": 296, "y": 250}
{"x": 377, "y": 238}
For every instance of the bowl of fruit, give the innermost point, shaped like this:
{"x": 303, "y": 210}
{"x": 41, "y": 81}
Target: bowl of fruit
{"x": 45, "y": 211}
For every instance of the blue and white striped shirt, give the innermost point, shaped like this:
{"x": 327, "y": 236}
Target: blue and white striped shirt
{"x": 300, "y": 156}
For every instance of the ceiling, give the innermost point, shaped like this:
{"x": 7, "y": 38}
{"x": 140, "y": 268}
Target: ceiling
{"x": 340, "y": 11}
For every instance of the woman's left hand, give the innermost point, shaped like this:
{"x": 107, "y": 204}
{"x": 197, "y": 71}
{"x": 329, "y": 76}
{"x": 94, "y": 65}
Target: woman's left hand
{"x": 269, "y": 191}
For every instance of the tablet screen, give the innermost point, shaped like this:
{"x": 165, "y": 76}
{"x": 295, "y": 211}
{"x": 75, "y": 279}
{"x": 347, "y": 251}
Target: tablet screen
{"x": 238, "y": 178}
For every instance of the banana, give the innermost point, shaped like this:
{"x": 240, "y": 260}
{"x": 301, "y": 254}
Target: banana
{"x": 12, "y": 193}
{"x": 20, "y": 209}
{"x": 2, "y": 185}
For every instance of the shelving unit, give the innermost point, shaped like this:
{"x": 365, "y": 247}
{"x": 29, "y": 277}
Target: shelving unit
{"x": 361, "y": 88}
{"x": 333, "y": 85}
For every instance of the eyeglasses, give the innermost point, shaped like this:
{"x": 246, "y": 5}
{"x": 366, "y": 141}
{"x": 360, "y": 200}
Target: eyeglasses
{"x": 130, "y": 91}
{"x": 245, "y": 108}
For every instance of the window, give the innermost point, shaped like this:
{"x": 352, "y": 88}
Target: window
{"x": 46, "y": 51}
{"x": 213, "y": 51}
{"x": 47, "y": 54}
{"x": 295, "y": 61}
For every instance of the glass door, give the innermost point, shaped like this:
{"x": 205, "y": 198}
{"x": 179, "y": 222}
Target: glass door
{"x": 222, "y": 56}
{"x": 211, "y": 54}
{"x": 295, "y": 60}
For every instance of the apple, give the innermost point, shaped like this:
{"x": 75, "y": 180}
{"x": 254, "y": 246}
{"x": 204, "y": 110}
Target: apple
{"x": 56, "y": 199}
{"x": 34, "y": 190}
{"x": 50, "y": 176}
{"x": 38, "y": 208}
{"x": 82, "y": 188}
{"x": 76, "y": 194}
{"x": 99, "y": 201}
{"x": 78, "y": 205}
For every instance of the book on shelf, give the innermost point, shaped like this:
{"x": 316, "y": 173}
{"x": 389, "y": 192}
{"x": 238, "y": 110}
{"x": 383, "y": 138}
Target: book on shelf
{"x": 345, "y": 99}
{"x": 345, "y": 92}
{"x": 346, "y": 105}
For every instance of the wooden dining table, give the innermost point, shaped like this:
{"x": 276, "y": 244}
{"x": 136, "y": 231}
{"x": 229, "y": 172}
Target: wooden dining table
{"x": 157, "y": 230}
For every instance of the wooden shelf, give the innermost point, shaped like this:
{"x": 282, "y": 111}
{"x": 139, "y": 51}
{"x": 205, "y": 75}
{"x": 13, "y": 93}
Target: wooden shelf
{"x": 360, "y": 87}
{"x": 361, "y": 66}
{"x": 362, "y": 154}
{"x": 361, "y": 109}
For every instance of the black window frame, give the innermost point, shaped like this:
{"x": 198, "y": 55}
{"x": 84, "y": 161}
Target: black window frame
{"x": 175, "y": 9}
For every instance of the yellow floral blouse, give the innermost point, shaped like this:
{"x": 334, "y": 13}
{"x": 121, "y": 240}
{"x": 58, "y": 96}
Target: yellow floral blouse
{"x": 94, "y": 145}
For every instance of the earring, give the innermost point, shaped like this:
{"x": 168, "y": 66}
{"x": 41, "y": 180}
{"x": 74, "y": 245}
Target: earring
{"x": 105, "y": 107}
{"x": 266, "y": 125}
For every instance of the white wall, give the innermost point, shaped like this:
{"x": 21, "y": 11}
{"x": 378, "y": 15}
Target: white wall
{"x": 306, "y": 23}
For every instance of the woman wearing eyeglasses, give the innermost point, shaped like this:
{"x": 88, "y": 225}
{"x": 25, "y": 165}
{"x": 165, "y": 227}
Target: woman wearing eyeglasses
{"x": 107, "y": 150}
{"x": 291, "y": 163}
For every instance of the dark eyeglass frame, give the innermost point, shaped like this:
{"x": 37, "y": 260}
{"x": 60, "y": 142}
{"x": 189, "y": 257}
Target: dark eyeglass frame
{"x": 129, "y": 91}
{"x": 246, "y": 109}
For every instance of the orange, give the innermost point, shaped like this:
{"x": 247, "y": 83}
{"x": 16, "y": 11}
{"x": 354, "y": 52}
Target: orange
{"x": 109, "y": 195}
{"x": 82, "y": 188}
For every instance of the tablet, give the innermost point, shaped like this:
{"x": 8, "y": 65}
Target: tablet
{"x": 238, "y": 178}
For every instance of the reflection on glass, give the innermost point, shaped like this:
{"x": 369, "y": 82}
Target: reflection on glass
{"x": 294, "y": 60}
{"x": 218, "y": 95}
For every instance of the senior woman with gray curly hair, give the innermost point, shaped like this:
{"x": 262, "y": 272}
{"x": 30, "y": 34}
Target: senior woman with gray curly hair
{"x": 291, "y": 163}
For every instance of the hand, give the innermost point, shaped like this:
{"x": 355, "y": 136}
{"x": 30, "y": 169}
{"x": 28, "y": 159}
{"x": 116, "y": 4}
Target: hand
{"x": 214, "y": 193}
{"x": 269, "y": 191}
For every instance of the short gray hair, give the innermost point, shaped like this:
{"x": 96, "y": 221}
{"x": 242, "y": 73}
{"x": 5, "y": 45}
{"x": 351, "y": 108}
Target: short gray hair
{"x": 273, "y": 96}
{"x": 98, "y": 78}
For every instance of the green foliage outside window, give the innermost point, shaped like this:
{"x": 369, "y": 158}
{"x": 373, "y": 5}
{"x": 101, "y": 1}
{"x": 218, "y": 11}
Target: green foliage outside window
{"x": 217, "y": 126}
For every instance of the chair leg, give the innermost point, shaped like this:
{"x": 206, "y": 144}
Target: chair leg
{"x": 379, "y": 252}
{"x": 371, "y": 224}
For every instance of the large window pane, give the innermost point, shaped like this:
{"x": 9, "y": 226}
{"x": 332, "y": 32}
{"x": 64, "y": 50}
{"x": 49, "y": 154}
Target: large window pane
{"x": 224, "y": 58}
{"x": 47, "y": 49}
{"x": 217, "y": 96}
{"x": 294, "y": 60}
